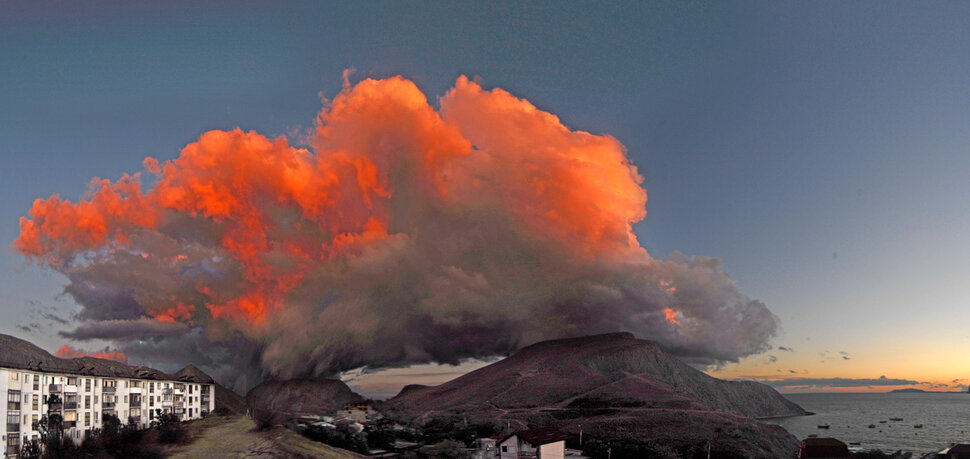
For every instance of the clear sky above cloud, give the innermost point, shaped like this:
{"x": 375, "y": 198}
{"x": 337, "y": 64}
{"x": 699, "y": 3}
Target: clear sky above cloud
{"x": 819, "y": 149}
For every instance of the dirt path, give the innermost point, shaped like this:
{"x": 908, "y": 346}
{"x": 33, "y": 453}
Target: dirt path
{"x": 234, "y": 436}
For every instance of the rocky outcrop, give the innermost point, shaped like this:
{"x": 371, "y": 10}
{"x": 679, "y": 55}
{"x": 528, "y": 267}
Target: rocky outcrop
{"x": 301, "y": 396}
{"x": 624, "y": 388}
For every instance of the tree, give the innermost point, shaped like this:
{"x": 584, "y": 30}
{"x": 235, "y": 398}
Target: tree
{"x": 168, "y": 426}
{"x": 53, "y": 443}
{"x": 449, "y": 449}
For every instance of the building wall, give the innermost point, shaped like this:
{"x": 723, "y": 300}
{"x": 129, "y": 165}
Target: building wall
{"x": 555, "y": 450}
{"x": 508, "y": 449}
{"x": 93, "y": 396}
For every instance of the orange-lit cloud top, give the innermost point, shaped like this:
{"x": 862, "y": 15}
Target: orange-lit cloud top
{"x": 460, "y": 219}
{"x": 68, "y": 352}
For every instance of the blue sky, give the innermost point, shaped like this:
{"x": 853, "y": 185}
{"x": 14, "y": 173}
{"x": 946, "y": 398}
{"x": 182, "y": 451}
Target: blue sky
{"x": 819, "y": 148}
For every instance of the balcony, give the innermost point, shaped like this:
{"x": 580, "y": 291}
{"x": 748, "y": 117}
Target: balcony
{"x": 108, "y": 389}
{"x": 108, "y": 405}
{"x": 167, "y": 392}
{"x": 54, "y": 388}
{"x": 70, "y": 405}
{"x": 135, "y": 419}
{"x": 179, "y": 404}
{"x": 56, "y": 406}
{"x": 70, "y": 424}
{"x": 13, "y": 428}
{"x": 205, "y": 399}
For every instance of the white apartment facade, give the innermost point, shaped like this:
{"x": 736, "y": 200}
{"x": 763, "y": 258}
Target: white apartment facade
{"x": 85, "y": 398}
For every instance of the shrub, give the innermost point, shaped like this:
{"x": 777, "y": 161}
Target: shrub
{"x": 168, "y": 426}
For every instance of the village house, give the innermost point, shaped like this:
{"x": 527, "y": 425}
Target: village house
{"x": 823, "y": 448}
{"x": 358, "y": 412}
{"x": 961, "y": 451}
{"x": 540, "y": 443}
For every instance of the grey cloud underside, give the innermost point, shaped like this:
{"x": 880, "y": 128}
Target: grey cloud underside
{"x": 125, "y": 329}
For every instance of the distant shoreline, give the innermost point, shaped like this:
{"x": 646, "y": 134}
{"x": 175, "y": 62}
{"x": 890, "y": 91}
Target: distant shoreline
{"x": 807, "y": 413}
{"x": 921, "y": 391}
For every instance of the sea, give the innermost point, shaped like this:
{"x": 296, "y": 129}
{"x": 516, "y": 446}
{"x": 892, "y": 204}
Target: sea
{"x": 945, "y": 419}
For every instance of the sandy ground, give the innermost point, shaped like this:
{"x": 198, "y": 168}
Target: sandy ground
{"x": 234, "y": 436}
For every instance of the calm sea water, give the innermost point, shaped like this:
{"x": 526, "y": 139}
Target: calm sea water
{"x": 945, "y": 419}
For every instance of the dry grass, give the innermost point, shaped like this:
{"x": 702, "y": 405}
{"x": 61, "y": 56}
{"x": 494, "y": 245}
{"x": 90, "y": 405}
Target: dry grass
{"x": 236, "y": 436}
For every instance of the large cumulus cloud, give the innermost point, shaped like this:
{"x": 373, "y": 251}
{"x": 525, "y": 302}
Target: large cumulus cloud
{"x": 402, "y": 234}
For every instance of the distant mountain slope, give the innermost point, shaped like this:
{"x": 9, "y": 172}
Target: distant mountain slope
{"x": 229, "y": 400}
{"x": 301, "y": 396}
{"x": 614, "y": 369}
{"x": 618, "y": 388}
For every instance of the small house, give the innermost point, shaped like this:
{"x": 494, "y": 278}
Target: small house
{"x": 823, "y": 448}
{"x": 358, "y": 412}
{"x": 961, "y": 451}
{"x": 541, "y": 443}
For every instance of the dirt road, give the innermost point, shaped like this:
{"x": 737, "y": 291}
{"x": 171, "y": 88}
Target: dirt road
{"x": 234, "y": 436}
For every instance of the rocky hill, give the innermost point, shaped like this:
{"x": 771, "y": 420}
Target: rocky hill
{"x": 618, "y": 387}
{"x": 228, "y": 400}
{"x": 301, "y": 396}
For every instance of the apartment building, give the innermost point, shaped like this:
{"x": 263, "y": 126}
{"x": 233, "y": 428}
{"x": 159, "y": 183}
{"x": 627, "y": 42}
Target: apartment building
{"x": 90, "y": 388}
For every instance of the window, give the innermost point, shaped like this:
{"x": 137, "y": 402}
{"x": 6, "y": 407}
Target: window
{"x": 151, "y": 387}
{"x": 34, "y": 402}
{"x": 126, "y": 399}
{"x": 71, "y": 381}
{"x": 33, "y": 422}
{"x": 95, "y": 399}
{"x": 13, "y": 419}
{"x": 87, "y": 402}
{"x": 13, "y": 400}
{"x": 14, "y": 376}
{"x": 151, "y": 401}
{"x": 126, "y": 384}
{"x": 87, "y": 385}
{"x": 87, "y": 419}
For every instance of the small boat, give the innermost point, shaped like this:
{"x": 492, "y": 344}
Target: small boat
{"x": 895, "y": 419}
{"x": 882, "y": 422}
{"x": 855, "y": 443}
{"x": 872, "y": 426}
{"x": 918, "y": 426}
{"x": 823, "y": 426}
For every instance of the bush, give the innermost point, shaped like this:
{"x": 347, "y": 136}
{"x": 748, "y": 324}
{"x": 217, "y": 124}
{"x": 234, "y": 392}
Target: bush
{"x": 169, "y": 427}
{"x": 340, "y": 437}
{"x": 449, "y": 449}
{"x": 266, "y": 419}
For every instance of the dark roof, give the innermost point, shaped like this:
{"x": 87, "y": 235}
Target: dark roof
{"x": 961, "y": 448}
{"x": 21, "y": 354}
{"x": 824, "y": 447}
{"x": 539, "y": 436}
